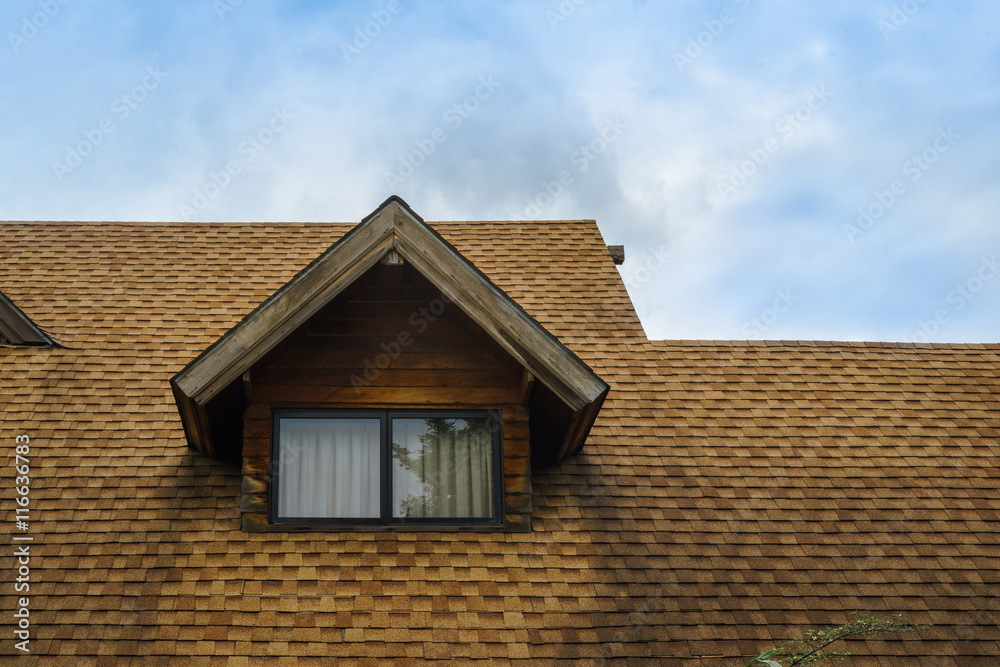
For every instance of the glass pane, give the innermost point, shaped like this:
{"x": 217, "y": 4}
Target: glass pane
{"x": 329, "y": 468}
{"x": 442, "y": 468}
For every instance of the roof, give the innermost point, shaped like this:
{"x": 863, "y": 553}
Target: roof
{"x": 730, "y": 494}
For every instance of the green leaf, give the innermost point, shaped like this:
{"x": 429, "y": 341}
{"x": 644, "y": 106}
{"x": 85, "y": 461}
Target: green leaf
{"x": 808, "y": 647}
{"x": 762, "y": 659}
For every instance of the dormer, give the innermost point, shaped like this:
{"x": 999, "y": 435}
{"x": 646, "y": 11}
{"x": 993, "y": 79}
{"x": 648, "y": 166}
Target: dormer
{"x": 390, "y": 384}
{"x": 16, "y": 328}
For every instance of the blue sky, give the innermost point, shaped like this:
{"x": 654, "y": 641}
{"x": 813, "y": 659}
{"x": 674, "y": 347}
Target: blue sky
{"x": 775, "y": 169}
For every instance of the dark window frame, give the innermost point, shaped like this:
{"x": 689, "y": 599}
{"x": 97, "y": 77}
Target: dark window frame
{"x": 385, "y": 466}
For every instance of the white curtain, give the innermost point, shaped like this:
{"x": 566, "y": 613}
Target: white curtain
{"x": 442, "y": 468}
{"x": 329, "y": 468}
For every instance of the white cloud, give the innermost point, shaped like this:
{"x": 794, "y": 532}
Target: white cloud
{"x": 656, "y": 183}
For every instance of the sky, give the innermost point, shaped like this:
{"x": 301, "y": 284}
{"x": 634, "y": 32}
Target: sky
{"x": 774, "y": 169}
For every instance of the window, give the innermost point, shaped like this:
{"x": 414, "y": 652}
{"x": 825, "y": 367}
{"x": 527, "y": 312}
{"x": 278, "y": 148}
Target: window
{"x": 386, "y": 467}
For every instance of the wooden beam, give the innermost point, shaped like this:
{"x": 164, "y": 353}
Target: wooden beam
{"x": 386, "y": 395}
{"x": 527, "y": 384}
{"x": 579, "y": 428}
{"x": 392, "y": 258}
{"x": 194, "y": 418}
{"x": 248, "y": 385}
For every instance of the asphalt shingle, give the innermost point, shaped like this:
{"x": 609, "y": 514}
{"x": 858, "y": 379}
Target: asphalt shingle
{"x": 730, "y": 494}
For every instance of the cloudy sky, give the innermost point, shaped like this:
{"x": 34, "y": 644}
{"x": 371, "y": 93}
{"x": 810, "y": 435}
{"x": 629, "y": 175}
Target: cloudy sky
{"x": 775, "y": 169}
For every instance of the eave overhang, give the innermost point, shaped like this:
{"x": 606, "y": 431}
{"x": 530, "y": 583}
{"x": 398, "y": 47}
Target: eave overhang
{"x": 392, "y": 226}
{"x": 17, "y": 328}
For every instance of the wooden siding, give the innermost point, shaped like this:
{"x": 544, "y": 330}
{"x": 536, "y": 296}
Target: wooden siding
{"x": 388, "y": 342}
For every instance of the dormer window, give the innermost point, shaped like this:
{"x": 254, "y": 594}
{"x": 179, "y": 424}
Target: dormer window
{"x": 389, "y": 385}
{"x": 386, "y": 467}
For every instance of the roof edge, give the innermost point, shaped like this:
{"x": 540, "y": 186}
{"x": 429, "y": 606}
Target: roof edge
{"x": 829, "y": 344}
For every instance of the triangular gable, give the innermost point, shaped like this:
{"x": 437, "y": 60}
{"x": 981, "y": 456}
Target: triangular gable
{"x": 391, "y": 227}
{"x": 17, "y": 328}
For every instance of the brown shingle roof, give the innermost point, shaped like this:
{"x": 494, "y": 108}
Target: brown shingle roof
{"x": 730, "y": 494}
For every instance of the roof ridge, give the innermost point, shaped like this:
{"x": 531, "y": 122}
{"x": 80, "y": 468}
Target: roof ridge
{"x": 195, "y": 223}
{"x": 175, "y": 223}
{"x": 820, "y": 343}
